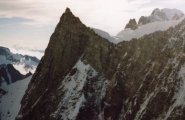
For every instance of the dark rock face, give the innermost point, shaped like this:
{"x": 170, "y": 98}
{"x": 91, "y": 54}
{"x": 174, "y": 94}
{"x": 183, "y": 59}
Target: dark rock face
{"x": 4, "y": 51}
{"x": 67, "y": 44}
{"x": 83, "y": 76}
{"x": 10, "y": 75}
{"x": 143, "y": 20}
{"x": 2, "y": 92}
{"x": 4, "y": 75}
{"x": 132, "y": 24}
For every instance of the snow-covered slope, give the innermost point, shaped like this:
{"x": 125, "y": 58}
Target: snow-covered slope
{"x": 159, "y": 20}
{"x": 74, "y": 84}
{"x": 23, "y": 63}
{"x": 128, "y": 34}
{"x": 10, "y": 102}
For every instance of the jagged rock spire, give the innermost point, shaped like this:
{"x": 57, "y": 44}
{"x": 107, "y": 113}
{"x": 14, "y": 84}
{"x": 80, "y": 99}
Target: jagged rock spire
{"x": 140, "y": 76}
{"x": 67, "y": 44}
{"x": 132, "y": 24}
{"x": 67, "y": 10}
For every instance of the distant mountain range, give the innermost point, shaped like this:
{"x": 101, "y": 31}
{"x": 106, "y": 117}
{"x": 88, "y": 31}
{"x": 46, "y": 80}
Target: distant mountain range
{"x": 8, "y": 74}
{"x": 13, "y": 83}
{"x": 159, "y": 20}
{"x": 23, "y": 63}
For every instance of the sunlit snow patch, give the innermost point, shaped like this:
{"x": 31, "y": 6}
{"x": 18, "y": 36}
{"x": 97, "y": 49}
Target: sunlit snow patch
{"x": 72, "y": 86}
{"x": 10, "y": 102}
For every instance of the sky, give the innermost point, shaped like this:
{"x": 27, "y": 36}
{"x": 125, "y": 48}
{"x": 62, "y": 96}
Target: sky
{"x": 28, "y": 24}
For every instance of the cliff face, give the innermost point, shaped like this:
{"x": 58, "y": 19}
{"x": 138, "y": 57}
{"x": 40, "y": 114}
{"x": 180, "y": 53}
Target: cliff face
{"x": 83, "y": 76}
{"x": 8, "y": 74}
{"x": 67, "y": 45}
{"x": 132, "y": 24}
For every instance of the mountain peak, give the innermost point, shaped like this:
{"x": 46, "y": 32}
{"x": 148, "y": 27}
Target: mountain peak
{"x": 68, "y": 13}
{"x": 165, "y": 14}
{"x": 132, "y": 24}
{"x": 70, "y": 41}
{"x": 67, "y": 10}
{"x": 155, "y": 10}
{"x": 68, "y": 18}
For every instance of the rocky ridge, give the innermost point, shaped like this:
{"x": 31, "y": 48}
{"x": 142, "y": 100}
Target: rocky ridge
{"x": 83, "y": 76}
{"x": 24, "y": 63}
{"x": 8, "y": 74}
{"x": 159, "y": 20}
{"x": 132, "y": 24}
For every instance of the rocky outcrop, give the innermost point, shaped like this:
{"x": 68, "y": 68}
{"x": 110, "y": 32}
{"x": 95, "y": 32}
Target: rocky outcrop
{"x": 4, "y": 51}
{"x": 2, "y": 92}
{"x": 9, "y": 74}
{"x": 143, "y": 20}
{"x": 83, "y": 76}
{"x": 132, "y": 24}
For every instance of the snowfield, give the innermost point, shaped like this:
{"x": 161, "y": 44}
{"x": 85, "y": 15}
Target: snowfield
{"x": 159, "y": 20}
{"x": 128, "y": 34}
{"x": 10, "y": 102}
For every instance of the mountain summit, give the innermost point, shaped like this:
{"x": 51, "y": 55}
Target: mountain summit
{"x": 61, "y": 66}
{"x": 83, "y": 76}
{"x": 132, "y": 24}
{"x": 159, "y": 20}
{"x": 165, "y": 14}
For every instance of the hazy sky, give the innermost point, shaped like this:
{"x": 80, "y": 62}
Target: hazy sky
{"x": 30, "y": 23}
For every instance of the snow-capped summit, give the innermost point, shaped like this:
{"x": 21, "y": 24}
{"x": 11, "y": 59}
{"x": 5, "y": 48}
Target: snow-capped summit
{"x": 165, "y": 14}
{"x": 159, "y": 20}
